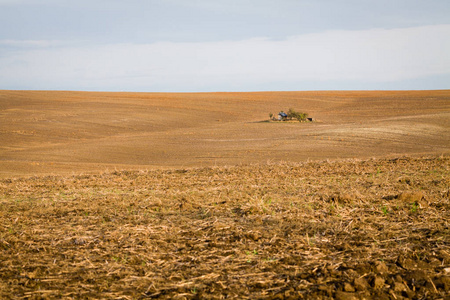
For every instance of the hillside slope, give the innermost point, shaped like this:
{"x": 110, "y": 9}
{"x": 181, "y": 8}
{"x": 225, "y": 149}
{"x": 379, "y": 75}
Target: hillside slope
{"x": 62, "y": 132}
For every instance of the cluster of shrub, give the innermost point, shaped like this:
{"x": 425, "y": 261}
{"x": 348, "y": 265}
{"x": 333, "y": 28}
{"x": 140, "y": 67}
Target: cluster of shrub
{"x": 292, "y": 114}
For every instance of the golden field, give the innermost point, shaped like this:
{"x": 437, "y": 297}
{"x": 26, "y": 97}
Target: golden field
{"x": 65, "y": 132}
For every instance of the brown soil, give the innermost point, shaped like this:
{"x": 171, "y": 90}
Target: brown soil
{"x": 319, "y": 230}
{"x": 194, "y": 196}
{"x": 66, "y": 132}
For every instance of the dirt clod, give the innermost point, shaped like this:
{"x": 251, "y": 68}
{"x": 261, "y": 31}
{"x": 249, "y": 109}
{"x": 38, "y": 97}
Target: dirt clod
{"x": 381, "y": 268}
{"x": 345, "y": 296}
{"x": 361, "y": 284}
{"x": 348, "y": 287}
{"x": 378, "y": 283}
{"x": 400, "y": 287}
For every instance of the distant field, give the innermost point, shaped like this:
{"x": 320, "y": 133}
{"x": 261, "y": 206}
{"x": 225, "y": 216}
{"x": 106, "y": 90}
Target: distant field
{"x": 66, "y": 132}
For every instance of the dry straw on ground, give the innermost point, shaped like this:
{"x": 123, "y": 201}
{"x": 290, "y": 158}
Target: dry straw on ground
{"x": 343, "y": 230}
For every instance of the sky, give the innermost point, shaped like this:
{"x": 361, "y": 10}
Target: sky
{"x": 224, "y": 45}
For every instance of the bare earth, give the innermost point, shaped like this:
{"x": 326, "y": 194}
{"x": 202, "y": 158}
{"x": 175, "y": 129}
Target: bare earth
{"x": 66, "y": 132}
{"x": 197, "y": 196}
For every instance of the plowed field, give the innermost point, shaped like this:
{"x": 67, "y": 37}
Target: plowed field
{"x": 71, "y": 132}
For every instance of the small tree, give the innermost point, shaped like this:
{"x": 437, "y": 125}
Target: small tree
{"x": 292, "y": 114}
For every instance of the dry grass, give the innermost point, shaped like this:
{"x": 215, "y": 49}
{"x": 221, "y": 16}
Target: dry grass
{"x": 352, "y": 229}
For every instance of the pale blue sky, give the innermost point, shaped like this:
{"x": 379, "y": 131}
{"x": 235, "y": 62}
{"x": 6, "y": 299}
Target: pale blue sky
{"x": 224, "y": 45}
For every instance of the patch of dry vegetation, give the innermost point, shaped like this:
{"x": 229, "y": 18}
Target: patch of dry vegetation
{"x": 343, "y": 229}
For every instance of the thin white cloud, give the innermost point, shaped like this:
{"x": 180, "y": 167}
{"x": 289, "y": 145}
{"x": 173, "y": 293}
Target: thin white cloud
{"x": 377, "y": 55}
{"x": 35, "y": 2}
{"x": 32, "y": 43}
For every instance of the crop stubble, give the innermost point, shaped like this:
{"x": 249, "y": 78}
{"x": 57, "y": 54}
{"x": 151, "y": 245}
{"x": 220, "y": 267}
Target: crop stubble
{"x": 347, "y": 229}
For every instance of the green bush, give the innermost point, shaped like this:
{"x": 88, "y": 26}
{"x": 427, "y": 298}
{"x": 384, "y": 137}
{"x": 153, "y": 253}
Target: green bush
{"x": 292, "y": 114}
